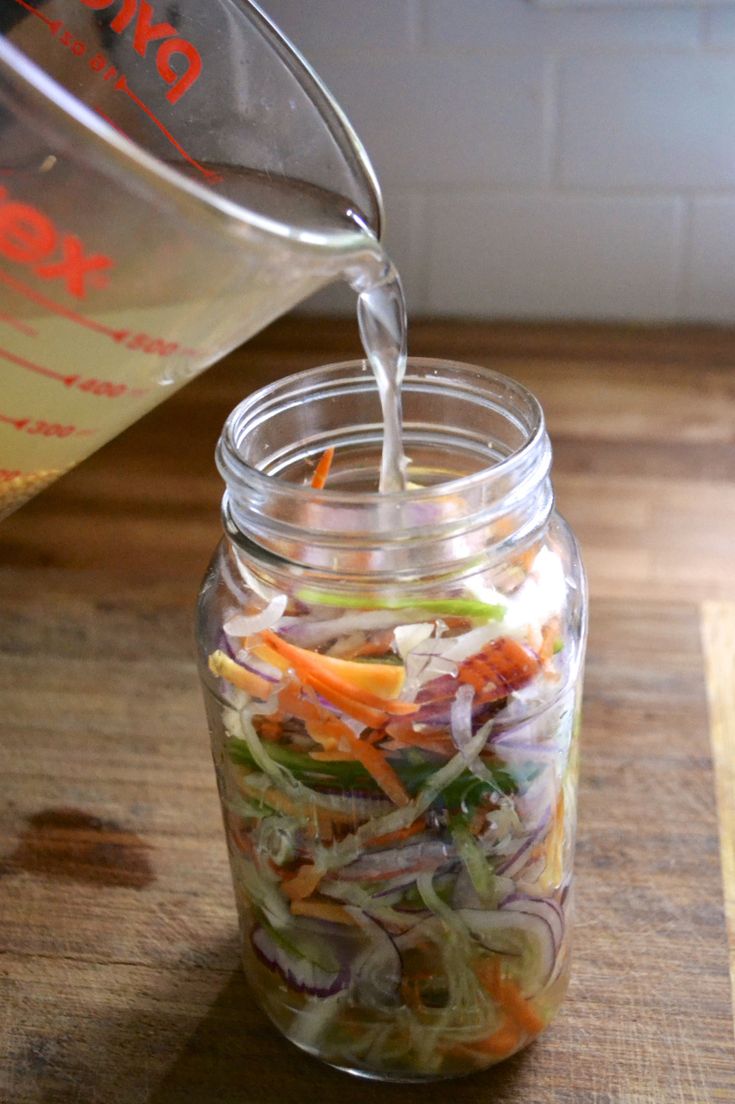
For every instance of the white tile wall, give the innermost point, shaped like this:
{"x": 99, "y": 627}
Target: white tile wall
{"x": 553, "y": 256}
{"x": 648, "y": 122}
{"x": 571, "y": 162}
{"x": 439, "y": 119}
{"x": 720, "y": 26}
{"x": 487, "y": 24}
{"x": 339, "y": 23}
{"x": 711, "y": 274}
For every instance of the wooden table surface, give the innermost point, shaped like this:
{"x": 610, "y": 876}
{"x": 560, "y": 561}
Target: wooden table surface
{"x": 119, "y": 964}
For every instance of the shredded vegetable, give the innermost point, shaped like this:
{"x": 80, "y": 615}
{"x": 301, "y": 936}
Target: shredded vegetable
{"x": 321, "y": 472}
{"x": 398, "y": 828}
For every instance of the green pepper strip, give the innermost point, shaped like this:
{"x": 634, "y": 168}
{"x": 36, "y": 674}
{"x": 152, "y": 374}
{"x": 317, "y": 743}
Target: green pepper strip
{"x": 457, "y": 607}
{"x": 464, "y": 792}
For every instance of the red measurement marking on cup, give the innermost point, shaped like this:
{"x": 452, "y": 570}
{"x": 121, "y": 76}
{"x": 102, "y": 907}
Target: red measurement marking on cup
{"x": 91, "y": 386}
{"x": 52, "y": 24}
{"x": 39, "y": 427}
{"x": 30, "y": 367}
{"x": 137, "y": 342}
{"x": 145, "y": 33}
{"x": 16, "y": 323}
{"x": 121, "y": 85}
{"x": 59, "y": 308}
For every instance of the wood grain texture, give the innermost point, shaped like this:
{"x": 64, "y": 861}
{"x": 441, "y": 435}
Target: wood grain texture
{"x": 118, "y": 964}
{"x": 718, "y": 638}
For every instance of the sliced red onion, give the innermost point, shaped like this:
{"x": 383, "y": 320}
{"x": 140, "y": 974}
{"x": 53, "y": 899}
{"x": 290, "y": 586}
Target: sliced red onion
{"x": 461, "y": 722}
{"x": 527, "y": 877}
{"x": 309, "y": 633}
{"x": 459, "y": 648}
{"x": 263, "y": 670}
{"x": 389, "y": 895}
{"x": 430, "y": 660}
{"x": 437, "y": 714}
{"x": 543, "y": 736}
{"x": 224, "y": 645}
{"x": 298, "y": 971}
{"x": 513, "y": 751}
{"x": 509, "y": 932}
{"x": 243, "y": 659}
{"x": 360, "y": 805}
{"x": 395, "y": 862}
{"x": 381, "y": 907}
{"x": 439, "y": 689}
{"x": 434, "y": 663}
{"x": 398, "y": 887}
{"x": 535, "y": 806}
{"x": 431, "y": 930}
{"x": 376, "y": 973}
{"x": 409, "y": 638}
{"x": 464, "y": 894}
{"x": 544, "y": 907}
{"x": 520, "y": 856}
{"x": 345, "y": 646}
{"x": 241, "y": 625}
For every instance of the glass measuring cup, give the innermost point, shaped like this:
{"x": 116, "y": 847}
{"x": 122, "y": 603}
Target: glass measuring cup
{"x": 173, "y": 176}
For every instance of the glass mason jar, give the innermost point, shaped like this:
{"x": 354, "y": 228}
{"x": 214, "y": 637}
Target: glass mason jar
{"x": 392, "y": 684}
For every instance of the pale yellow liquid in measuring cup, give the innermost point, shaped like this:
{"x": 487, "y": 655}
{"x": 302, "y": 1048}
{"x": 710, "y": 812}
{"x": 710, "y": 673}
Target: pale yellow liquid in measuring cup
{"x": 69, "y": 384}
{"x": 49, "y": 424}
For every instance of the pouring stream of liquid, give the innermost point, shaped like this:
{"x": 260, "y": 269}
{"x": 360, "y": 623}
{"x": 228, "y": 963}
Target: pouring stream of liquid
{"x": 381, "y": 314}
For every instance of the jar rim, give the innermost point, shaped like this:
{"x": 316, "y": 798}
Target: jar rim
{"x": 449, "y": 526}
{"x": 235, "y": 470}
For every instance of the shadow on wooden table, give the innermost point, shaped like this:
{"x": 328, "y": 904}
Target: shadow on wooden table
{"x": 235, "y": 1056}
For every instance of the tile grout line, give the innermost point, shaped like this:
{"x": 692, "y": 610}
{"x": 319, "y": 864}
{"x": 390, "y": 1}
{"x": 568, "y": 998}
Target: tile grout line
{"x": 717, "y": 622}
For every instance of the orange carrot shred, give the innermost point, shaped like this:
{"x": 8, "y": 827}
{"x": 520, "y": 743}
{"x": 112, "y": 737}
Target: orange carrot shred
{"x": 324, "y": 728}
{"x": 509, "y": 996}
{"x": 321, "y": 474}
{"x": 349, "y": 705}
{"x": 383, "y": 773}
{"x": 400, "y": 834}
{"x": 322, "y": 910}
{"x": 303, "y": 883}
{"x": 499, "y": 1044}
{"x": 343, "y": 675}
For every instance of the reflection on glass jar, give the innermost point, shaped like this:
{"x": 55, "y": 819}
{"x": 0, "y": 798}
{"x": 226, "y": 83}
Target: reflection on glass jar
{"x": 392, "y": 684}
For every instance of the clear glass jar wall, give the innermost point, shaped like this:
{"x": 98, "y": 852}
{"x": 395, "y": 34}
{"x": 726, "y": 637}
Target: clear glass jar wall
{"x": 392, "y": 684}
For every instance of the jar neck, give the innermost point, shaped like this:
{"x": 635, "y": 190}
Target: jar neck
{"x": 479, "y": 485}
